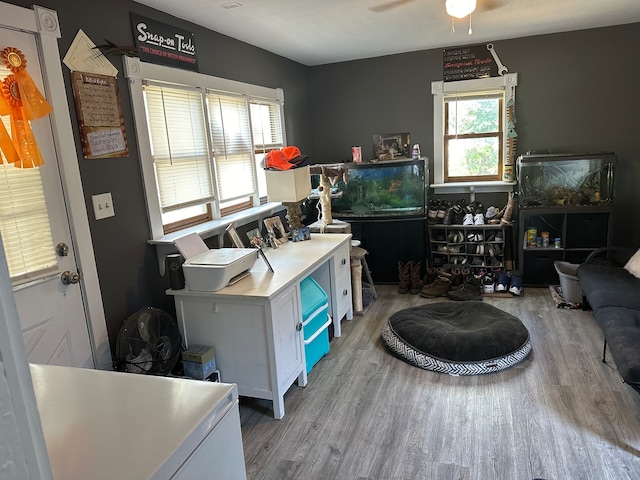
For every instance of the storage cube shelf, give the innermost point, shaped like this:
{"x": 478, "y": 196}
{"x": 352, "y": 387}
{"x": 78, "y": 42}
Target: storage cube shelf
{"x": 476, "y": 246}
{"x": 315, "y": 321}
{"x": 580, "y": 229}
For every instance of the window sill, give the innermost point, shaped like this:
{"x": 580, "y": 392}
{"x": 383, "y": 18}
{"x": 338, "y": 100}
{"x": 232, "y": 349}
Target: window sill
{"x": 472, "y": 187}
{"x": 166, "y": 244}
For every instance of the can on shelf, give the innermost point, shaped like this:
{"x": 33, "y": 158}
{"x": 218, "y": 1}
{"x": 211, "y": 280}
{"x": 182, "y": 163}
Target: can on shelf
{"x": 545, "y": 239}
{"x": 556, "y": 242}
{"x": 532, "y": 233}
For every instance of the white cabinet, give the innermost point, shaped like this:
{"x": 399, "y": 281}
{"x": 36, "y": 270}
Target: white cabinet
{"x": 255, "y": 325}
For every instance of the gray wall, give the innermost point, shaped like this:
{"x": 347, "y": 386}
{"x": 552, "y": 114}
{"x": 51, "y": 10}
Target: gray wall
{"x": 127, "y": 265}
{"x": 578, "y": 91}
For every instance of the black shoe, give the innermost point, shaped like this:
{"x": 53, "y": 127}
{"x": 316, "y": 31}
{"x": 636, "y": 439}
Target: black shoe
{"x": 470, "y": 290}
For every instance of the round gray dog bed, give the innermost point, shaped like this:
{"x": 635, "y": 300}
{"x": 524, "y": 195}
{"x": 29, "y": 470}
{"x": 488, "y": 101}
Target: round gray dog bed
{"x": 467, "y": 338}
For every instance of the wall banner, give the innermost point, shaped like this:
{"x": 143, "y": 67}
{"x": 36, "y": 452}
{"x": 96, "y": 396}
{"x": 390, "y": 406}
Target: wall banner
{"x": 164, "y": 44}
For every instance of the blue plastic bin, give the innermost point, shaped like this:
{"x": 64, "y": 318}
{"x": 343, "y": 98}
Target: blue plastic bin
{"x": 315, "y": 321}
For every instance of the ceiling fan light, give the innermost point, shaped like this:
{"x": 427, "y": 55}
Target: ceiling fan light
{"x": 460, "y": 8}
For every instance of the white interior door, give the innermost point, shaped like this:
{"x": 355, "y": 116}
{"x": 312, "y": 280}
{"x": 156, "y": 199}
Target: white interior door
{"x": 52, "y": 311}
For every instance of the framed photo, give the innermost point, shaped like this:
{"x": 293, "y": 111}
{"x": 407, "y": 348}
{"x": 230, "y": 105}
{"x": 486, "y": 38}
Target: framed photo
{"x": 255, "y": 238}
{"x": 391, "y": 146}
{"x": 236, "y": 241}
{"x": 276, "y": 234}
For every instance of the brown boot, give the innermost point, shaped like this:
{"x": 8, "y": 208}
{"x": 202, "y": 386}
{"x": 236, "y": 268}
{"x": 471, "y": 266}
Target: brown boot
{"x": 404, "y": 276}
{"x": 438, "y": 288}
{"x": 430, "y": 275}
{"x": 415, "y": 280}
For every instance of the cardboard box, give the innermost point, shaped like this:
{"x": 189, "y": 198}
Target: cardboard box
{"x": 288, "y": 185}
{"x": 198, "y": 361}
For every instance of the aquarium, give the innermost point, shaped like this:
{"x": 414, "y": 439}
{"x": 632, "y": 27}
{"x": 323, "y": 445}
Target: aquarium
{"x": 566, "y": 179}
{"x": 394, "y": 188}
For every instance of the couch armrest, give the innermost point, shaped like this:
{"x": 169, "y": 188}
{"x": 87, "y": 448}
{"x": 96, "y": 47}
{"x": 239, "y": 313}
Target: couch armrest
{"x": 619, "y": 255}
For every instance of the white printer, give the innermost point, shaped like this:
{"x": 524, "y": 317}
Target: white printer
{"x": 210, "y": 270}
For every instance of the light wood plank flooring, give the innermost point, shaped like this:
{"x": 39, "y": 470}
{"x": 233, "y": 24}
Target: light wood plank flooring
{"x": 560, "y": 415}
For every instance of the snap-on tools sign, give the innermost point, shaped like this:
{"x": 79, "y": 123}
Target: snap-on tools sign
{"x": 164, "y": 44}
{"x": 466, "y": 63}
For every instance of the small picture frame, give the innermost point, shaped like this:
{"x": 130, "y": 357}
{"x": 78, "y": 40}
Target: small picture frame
{"x": 300, "y": 234}
{"x": 236, "y": 241}
{"x": 255, "y": 237}
{"x": 276, "y": 234}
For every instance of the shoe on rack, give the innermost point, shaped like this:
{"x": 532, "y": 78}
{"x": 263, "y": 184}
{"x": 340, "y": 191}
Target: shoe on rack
{"x": 478, "y": 219}
{"x": 443, "y": 206}
{"x": 432, "y": 212}
{"x": 515, "y": 288}
{"x": 448, "y": 216}
{"x": 468, "y": 219}
{"x": 504, "y": 281}
{"x": 491, "y": 212}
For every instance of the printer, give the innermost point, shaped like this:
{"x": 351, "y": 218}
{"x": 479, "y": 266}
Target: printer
{"x": 211, "y": 270}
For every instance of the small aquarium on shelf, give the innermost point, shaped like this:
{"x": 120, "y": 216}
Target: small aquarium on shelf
{"x": 557, "y": 180}
{"x": 394, "y": 188}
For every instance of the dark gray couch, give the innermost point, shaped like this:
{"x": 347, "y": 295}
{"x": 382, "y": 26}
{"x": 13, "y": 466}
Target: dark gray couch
{"x": 614, "y": 296}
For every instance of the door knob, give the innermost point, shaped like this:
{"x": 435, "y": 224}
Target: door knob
{"x": 69, "y": 278}
{"x": 62, "y": 249}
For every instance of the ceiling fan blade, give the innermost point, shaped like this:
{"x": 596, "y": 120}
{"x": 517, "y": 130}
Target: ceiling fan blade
{"x": 488, "y": 5}
{"x": 389, "y": 5}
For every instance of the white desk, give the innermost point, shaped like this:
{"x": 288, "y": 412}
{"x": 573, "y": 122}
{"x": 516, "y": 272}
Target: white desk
{"x": 104, "y": 425}
{"x": 255, "y": 325}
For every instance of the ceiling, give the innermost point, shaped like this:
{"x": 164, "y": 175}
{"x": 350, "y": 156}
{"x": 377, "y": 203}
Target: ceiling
{"x": 315, "y": 32}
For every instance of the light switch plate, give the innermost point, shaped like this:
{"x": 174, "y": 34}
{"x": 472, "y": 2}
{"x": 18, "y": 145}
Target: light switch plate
{"x": 103, "y": 206}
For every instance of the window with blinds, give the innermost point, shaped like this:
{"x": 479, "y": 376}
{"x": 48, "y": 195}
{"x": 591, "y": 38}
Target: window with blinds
{"x": 231, "y": 146}
{"x": 24, "y": 222}
{"x": 266, "y": 128}
{"x": 179, "y": 146}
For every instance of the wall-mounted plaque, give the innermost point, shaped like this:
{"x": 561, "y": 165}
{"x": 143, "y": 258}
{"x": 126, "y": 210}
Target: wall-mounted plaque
{"x": 99, "y": 115}
{"x": 468, "y": 63}
{"x": 164, "y": 44}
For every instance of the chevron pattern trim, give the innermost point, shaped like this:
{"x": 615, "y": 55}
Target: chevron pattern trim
{"x": 428, "y": 362}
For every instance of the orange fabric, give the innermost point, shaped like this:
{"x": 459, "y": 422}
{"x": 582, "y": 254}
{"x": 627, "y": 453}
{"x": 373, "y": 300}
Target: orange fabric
{"x": 277, "y": 159}
{"x": 291, "y": 152}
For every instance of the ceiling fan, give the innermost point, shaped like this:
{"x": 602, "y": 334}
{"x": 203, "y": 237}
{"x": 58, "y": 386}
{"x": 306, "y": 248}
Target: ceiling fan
{"x": 482, "y": 5}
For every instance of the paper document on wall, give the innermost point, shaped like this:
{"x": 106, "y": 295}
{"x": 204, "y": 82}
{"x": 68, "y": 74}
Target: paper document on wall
{"x": 82, "y": 56}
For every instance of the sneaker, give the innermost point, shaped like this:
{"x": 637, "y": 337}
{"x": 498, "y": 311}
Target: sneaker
{"x": 516, "y": 285}
{"x": 442, "y": 211}
{"x": 491, "y": 212}
{"x": 432, "y": 213}
{"x": 488, "y": 284}
{"x": 478, "y": 219}
{"x": 468, "y": 219}
{"x": 503, "y": 282}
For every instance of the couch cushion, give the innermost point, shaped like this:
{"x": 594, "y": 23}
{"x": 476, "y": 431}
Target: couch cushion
{"x": 621, "y": 327}
{"x": 606, "y": 286}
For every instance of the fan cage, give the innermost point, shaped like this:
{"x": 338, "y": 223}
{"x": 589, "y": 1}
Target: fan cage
{"x": 149, "y": 342}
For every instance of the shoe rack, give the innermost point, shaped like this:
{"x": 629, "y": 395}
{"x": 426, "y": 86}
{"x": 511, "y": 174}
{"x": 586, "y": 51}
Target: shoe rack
{"x": 475, "y": 246}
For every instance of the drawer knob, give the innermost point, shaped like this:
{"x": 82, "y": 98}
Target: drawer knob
{"x": 344, "y": 261}
{"x": 345, "y": 292}
{"x": 298, "y": 327}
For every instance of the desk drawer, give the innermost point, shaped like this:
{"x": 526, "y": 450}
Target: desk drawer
{"x": 342, "y": 261}
{"x": 343, "y": 295}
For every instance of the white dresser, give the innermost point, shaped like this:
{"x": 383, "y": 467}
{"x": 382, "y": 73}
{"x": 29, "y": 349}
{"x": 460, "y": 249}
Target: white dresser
{"x": 255, "y": 325}
{"x": 105, "y": 425}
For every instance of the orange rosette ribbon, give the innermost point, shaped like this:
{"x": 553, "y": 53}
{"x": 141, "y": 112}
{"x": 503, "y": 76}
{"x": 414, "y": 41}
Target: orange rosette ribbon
{"x": 21, "y": 99}
{"x": 33, "y": 102}
{"x": 23, "y": 139}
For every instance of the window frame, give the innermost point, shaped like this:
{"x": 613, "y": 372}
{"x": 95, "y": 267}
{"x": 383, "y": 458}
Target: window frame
{"x": 138, "y": 73}
{"x": 442, "y": 90}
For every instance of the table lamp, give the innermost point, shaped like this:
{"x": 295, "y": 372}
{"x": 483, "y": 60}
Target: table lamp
{"x": 290, "y": 187}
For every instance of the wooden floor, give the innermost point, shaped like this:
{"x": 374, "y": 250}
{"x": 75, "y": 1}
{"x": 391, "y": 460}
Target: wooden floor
{"x": 560, "y": 415}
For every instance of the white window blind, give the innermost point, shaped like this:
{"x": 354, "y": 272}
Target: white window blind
{"x": 266, "y": 125}
{"x": 179, "y": 146}
{"x": 24, "y": 222}
{"x": 232, "y": 147}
